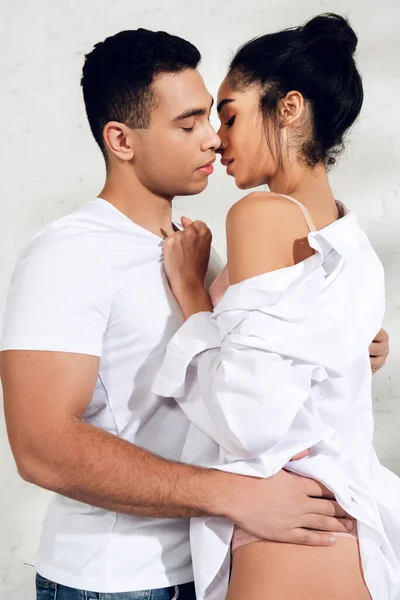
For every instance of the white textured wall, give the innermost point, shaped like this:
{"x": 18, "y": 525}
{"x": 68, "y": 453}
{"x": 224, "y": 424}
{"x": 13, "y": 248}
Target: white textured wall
{"x": 50, "y": 164}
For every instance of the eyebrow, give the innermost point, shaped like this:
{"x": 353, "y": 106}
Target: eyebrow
{"x": 223, "y": 102}
{"x": 194, "y": 112}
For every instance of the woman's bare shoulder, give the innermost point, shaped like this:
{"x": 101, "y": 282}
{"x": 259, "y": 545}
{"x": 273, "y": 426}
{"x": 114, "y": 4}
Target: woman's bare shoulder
{"x": 262, "y": 230}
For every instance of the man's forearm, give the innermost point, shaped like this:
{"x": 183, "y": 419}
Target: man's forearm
{"x": 92, "y": 466}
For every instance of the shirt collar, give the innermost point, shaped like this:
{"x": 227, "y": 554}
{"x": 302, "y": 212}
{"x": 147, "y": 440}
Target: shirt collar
{"x": 343, "y": 235}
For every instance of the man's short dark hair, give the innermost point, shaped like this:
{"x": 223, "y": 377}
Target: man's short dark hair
{"x": 118, "y": 73}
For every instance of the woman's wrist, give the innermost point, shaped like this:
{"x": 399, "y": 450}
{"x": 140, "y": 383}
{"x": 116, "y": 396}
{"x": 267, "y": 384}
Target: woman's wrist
{"x": 193, "y": 298}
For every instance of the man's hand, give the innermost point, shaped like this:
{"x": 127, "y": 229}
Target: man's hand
{"x": 379, "y": 350}
{"x": 288, "y": 508}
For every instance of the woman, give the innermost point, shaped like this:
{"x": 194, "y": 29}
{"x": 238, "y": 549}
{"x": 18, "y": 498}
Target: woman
{"x": 282, "y": 364}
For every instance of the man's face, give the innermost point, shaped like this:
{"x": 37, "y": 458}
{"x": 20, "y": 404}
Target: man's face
{"x": 173, "y": 156}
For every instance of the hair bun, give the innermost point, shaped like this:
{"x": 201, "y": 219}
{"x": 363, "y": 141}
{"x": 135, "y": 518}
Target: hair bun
{"x": 333, "y": 29}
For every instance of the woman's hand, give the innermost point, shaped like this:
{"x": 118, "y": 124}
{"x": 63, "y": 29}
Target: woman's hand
{"x": 379, "y": 350}
{"x": 186, "y": 258}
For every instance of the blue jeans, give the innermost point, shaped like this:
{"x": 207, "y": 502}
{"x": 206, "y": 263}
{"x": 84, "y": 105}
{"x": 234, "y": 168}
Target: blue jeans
{"x": 48, "y": 590}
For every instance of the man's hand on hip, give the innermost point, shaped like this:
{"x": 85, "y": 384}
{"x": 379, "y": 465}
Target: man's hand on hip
{"x": 288, "y": 508}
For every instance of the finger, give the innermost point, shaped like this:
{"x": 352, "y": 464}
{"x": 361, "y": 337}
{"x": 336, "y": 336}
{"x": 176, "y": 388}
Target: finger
{"x": 201, "y": 227}
{"x": 316, "y": 489}
{"x": 379, "y": 349}
{"x": 328, "y": 508}
{"x": 311, "y": 538}
{"x": 329, "y": 524}
{"x": 186, "y": 221}
{"x": 377, "y": 363}
{"x": 170, "y": 240}
{"x": 301, "y": 455}
{"x": 374, "y": 349}
{"x": 382, "y": 336}
{"x": 167, "y": 243}
{"x": 190, "y": 232}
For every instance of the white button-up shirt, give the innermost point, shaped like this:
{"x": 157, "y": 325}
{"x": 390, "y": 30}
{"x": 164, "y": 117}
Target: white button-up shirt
{"x": 282, "y": 365}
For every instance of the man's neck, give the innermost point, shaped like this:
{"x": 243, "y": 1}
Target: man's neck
{"x": 145, "y": 208}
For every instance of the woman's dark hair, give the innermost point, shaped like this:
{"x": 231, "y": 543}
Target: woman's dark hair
{"x": 118, "y": 73}
{"x": 316, "y": 60}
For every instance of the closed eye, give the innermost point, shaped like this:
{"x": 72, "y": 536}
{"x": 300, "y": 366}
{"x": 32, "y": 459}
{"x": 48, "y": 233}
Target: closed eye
{"x": 231, "y": 121}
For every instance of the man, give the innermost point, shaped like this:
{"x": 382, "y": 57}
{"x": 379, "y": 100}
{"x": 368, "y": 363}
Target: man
{"x": 88, "y": 319}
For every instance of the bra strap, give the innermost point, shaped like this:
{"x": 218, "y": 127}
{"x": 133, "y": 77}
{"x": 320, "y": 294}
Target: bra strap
{"x": 303, "y": 210}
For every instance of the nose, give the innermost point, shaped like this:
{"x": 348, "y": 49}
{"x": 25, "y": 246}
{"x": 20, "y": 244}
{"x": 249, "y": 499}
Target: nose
{"x": 223, "y": 143}
{"x": 212, "y": 141}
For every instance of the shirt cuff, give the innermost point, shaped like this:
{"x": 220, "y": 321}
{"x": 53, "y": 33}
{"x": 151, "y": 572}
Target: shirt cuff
{"x": 197, "y": 334}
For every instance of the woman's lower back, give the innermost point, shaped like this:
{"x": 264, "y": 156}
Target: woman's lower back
{"x": 275, "y": 571}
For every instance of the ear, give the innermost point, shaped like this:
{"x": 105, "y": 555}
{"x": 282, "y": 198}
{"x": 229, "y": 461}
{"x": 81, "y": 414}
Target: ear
{"x": 118, "y": 139}
{"x": 291, "y": 108}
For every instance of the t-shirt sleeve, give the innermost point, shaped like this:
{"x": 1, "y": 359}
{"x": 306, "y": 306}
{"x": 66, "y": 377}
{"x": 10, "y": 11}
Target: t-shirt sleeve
{"x": 60, "y": 297}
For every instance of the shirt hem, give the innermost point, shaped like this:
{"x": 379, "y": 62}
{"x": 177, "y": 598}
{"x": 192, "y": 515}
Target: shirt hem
{"x": 113, "y": 585}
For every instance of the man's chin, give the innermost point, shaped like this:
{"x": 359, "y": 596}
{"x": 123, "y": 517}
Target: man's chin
{"x": 192, "y": 190}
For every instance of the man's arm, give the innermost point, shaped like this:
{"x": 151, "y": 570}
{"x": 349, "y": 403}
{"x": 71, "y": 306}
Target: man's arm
{"x": 45, "y": 397}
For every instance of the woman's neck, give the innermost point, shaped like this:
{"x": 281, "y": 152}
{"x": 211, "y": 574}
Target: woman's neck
{"x": 311, "y": 187}
{"x": 308, "y": 182}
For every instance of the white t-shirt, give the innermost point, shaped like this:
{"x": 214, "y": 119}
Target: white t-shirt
{"x": 93, "y": 282}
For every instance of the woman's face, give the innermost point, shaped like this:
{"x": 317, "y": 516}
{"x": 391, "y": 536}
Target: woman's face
{"x": 244, "y": 149}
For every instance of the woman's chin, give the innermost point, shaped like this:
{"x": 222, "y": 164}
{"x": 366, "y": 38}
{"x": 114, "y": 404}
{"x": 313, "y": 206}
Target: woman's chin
{"x": 246, "y": 182}
{"x": 243, "y": 184}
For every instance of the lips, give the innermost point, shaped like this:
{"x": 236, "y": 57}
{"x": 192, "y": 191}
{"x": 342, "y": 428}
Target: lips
{"x": 227, "y": 161}
{"x": 208, "y": 168}
{"x": 210, "y": 162}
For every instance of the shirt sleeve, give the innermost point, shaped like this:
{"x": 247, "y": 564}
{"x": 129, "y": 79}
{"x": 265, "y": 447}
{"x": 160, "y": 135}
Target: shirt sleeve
{"x": 60, "y": 296}
{"x": 254, "y": 362}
